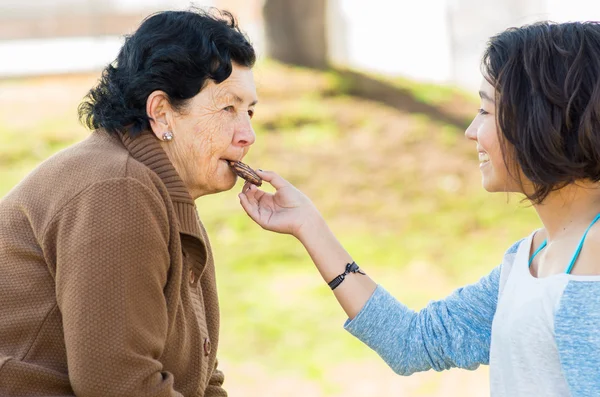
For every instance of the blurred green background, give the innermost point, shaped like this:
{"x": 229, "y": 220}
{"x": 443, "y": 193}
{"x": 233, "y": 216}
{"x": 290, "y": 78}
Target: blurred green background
{"x": 386, "y": 162}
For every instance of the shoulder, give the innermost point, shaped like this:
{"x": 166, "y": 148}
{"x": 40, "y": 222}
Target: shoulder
{"x": 99, "y": 165}
{"x": 100, "y": 159}
{"x": 514, "y": 247}
{"x": 507, "y": 263}
{"x": 75, "y": 168}
{"x": 511, "y": 253}
{"x": 121, "y": 207}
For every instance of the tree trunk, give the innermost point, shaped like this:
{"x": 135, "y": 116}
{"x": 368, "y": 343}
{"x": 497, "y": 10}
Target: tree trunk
{"x": 295, "y": 32}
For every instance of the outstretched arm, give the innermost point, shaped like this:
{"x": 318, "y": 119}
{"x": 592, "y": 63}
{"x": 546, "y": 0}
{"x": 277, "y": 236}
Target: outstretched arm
{"x": 455, "y": 332}
{"x": 291, "y": 212}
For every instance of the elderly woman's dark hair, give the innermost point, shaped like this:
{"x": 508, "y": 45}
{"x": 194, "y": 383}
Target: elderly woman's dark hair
{"x": 547, "y": 81}
{"x": 173, "y": 51}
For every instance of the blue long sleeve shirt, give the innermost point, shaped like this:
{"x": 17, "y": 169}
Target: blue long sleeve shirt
{"x": 545, "y": 330}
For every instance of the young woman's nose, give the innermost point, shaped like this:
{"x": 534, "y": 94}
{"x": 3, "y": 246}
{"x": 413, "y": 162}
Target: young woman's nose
{"x": 471, "y": 131}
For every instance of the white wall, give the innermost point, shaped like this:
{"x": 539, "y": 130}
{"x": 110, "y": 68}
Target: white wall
{"x": 435, "y": 40}
{"x": 431, "y": 40}
{"x": 68, "y": 55}
{"x": 473, "y": 22}
{"x": 573, "y": 10}
{"x": 404, "y": 37}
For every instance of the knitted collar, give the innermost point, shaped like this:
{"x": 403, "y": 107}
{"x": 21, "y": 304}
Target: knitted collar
{"x": 146, "y": 149}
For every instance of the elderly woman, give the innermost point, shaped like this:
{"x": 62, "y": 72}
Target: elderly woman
{"x": 108, "y": 282}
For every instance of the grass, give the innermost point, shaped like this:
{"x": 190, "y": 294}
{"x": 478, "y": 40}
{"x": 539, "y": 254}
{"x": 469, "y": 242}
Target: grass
{"x": 401, "y": 191}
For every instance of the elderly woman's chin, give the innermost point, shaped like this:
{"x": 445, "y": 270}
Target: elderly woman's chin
{"x": 220, "y": 179}
{"x": 223, "y": 181}
{"x": 229, "y": 183}
{"x": 228, "y": 177}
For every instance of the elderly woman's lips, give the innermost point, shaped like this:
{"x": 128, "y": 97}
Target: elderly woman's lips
{"x": 243, "y": 171}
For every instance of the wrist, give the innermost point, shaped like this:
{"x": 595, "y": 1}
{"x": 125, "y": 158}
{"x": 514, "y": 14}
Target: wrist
{"x": 313, "y": 225}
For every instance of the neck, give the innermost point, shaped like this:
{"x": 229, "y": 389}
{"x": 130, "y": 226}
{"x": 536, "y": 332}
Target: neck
{"x": 176, "y": 160}
{"x": 573, "y": 206}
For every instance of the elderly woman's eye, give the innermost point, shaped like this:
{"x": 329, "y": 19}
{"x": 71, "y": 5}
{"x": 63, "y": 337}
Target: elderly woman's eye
{"x": 251, "y": 113}
{"x": 228, "y": 108}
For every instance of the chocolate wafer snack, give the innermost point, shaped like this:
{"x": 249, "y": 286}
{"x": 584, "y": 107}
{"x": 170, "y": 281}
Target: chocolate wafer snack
{"x": 243, "y": 171}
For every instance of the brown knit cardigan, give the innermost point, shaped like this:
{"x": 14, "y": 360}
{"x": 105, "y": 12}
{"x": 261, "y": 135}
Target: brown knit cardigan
{"x": 107, "y": 281}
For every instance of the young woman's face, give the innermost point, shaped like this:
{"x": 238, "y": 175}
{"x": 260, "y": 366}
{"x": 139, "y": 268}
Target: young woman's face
{"x": 485, "y": 132}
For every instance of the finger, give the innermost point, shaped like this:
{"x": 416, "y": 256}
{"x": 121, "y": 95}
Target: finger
{"x": 251, "y": 196}
{"x": 247, "y": 189}
{"x": 255, "y": 195}
{"x": 273, "y": 178}
{"x": 251, "y": 209}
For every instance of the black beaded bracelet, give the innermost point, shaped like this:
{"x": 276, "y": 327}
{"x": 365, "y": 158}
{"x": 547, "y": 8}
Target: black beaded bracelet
{"x": 350, "y": 268}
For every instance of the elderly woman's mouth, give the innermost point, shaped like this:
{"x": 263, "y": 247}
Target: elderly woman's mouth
{"x": 245, "y": 172}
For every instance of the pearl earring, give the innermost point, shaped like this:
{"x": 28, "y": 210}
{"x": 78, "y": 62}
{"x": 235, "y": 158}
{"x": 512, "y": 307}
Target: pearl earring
{"x": 167, "y": 136}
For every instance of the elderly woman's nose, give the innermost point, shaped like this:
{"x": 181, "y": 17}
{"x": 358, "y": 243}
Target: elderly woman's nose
{"x": 244, "y": 136}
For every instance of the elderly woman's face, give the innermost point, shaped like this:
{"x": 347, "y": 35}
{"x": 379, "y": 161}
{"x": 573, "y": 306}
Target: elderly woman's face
{"x": 213, "y": 128}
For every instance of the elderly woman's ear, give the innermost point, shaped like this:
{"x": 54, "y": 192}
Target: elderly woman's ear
{"x": 160, "y": 113}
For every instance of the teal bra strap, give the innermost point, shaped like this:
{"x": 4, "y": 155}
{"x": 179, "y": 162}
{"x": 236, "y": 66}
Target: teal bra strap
{"x": 568, "y": 271}
{"x": 537, "y": 251}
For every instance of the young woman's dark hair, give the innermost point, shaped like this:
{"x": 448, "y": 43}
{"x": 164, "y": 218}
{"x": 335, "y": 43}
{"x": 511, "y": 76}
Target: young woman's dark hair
{"x": 172, "y": 51}
{"x": 547, "y": 81}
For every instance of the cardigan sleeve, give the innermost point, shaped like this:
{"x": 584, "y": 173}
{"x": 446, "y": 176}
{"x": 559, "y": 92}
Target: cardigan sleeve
{"x": 576, "y": 328}
{"x": 454, "y": 332}
{"x": 112, "y": 261}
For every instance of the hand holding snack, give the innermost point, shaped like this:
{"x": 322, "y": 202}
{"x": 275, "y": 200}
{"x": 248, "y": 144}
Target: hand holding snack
{"x": 287, "y": 210}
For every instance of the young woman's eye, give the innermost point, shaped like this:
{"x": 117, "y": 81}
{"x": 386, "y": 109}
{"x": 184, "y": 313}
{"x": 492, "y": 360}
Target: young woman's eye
{"x": 482, "y": 112}
{"x": 251, "y": 113}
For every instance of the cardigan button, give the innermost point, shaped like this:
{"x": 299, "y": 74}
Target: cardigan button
{"x": 206, "y": 346}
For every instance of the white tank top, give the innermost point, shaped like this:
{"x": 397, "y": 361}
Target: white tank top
{"x": 524, "y": 359}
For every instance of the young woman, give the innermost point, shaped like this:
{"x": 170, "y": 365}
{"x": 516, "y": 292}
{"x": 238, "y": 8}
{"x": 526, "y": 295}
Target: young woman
{"x": 536, "y": 318}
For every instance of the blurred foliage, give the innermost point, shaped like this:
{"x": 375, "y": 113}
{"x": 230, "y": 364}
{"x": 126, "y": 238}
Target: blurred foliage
{"x": 400, "y": 189}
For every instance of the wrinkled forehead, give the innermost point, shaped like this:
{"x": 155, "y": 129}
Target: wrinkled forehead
{"x": 238, "y": 87}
